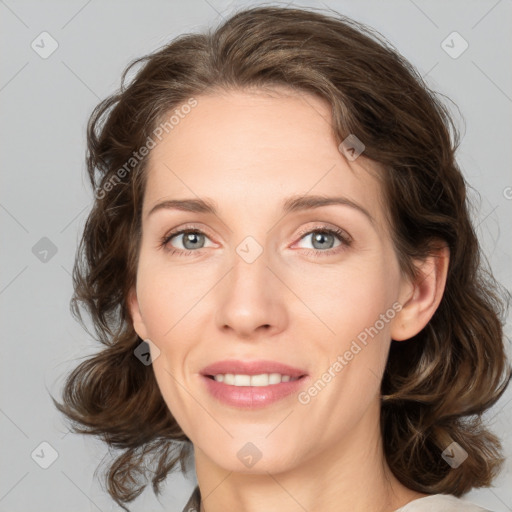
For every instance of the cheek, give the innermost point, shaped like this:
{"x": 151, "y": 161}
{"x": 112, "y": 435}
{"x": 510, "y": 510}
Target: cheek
{"x": 351, "y": 360}
{"x": 166, "y": 295}
{"x": 358, "y": 308}
{"x": 350, "y": 298}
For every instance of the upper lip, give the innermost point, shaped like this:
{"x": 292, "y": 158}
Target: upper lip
{"x": 255, "y": 367}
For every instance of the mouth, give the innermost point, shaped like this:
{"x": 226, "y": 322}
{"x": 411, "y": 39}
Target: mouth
{"x": 252, "y": 384}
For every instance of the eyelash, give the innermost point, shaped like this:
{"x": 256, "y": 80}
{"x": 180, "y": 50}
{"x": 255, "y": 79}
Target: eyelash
{"x": 345, "y": 240}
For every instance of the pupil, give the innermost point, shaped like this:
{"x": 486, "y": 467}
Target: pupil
{"x": 320, "y": 237}
{"x": 191, "y": 237}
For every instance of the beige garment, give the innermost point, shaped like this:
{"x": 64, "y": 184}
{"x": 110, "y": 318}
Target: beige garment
{"x": 441, "y": 503}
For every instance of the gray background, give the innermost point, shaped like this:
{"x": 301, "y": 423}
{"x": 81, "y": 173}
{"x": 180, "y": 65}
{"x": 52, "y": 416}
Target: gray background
{"x": 45, "y": 103}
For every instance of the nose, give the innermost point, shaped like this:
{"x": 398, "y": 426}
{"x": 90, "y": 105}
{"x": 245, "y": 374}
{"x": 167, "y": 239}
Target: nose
{"x": 251, "y": 301}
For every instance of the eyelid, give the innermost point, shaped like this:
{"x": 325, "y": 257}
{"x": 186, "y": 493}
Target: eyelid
{"x": 323, "y": 226}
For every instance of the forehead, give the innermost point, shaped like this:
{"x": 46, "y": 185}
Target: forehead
{"x": 255, "y": 148}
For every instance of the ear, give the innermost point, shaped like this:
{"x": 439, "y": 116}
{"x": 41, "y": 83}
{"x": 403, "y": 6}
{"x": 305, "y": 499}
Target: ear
{"x": 133, "y": 307}
{"x": 421, "y": 298}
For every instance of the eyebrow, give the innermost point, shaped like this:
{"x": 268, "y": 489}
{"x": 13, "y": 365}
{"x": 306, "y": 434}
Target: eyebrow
{"x": 292, "y": 204}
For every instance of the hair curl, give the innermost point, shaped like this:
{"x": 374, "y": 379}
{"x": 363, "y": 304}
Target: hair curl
{"x": 436, "y": 385}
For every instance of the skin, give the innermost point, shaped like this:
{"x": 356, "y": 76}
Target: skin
{"x": 249, "y": 151}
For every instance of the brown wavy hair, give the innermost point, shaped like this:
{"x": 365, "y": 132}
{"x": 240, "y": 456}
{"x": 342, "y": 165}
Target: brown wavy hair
{"x": 437, "y": 385}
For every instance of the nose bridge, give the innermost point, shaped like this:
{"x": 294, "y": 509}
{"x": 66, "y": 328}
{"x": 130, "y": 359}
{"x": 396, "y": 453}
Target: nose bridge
{"x": 250, "y": 263}
{"x": 250, "y": 276}
{"x": 250, "y": 295}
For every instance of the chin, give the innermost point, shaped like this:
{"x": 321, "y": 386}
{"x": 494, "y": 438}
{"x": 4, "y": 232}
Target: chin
{"x": 254, "y": 458}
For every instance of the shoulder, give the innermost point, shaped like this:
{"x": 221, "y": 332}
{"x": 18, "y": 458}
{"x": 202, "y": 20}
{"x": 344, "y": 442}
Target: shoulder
{"x": 441, "y": 503}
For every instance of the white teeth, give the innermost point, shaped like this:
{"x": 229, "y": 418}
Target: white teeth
{"x": 242, "y": 380}
{"x": 229, "y": 378}
{"x": 274, "y": 378}
{"x": 263, "y": 379}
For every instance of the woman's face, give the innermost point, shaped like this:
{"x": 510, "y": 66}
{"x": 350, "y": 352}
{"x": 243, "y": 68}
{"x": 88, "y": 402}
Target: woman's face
{"x": 258, "y": 282}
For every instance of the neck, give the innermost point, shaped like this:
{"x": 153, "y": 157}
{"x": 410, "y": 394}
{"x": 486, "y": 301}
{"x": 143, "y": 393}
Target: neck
{"x": 351, "y": 476}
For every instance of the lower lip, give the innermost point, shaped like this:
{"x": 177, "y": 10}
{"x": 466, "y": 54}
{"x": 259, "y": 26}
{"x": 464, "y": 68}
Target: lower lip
{"x": 252, "y": 397}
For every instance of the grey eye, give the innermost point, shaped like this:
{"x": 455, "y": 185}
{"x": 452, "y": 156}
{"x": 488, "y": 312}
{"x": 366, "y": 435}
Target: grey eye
{"x": 322, "y": 239}
{"x": 190, "y": 239}
{"x": 193, "y": 240}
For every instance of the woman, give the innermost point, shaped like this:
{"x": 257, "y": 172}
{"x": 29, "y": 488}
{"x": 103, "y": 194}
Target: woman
{"x": 349, "y": 377}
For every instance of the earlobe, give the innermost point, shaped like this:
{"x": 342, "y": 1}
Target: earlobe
{"x": 427, "y": 291}
{"x": 133, "y": 307}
